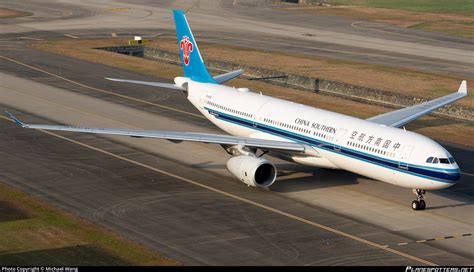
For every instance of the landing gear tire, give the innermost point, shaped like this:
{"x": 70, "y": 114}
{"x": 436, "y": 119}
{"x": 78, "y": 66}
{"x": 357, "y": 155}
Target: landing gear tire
{"x": 419, "y": 203}
{"x": 415, "y": 205}
{"x": 422, "y": 204}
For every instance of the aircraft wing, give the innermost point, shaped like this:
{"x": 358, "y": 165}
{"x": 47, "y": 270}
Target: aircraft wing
{"x": 404, "y": 116}
{"x": 176, "y": 136}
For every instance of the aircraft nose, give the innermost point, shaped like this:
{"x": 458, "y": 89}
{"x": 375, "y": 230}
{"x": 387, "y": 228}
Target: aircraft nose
{"x": 457, "y": 174}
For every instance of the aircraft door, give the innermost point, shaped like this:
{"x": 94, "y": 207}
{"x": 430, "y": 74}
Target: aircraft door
{"x": 203, "y": 97}
{"x": 257, "y": 116}
{"x": 255, "y": 121}
{"x": 404, "y": 157}
{"x": 339, "y": 139}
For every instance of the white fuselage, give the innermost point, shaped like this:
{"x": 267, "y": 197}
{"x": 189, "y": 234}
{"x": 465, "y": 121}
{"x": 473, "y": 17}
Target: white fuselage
{"x": 383, "y": 153}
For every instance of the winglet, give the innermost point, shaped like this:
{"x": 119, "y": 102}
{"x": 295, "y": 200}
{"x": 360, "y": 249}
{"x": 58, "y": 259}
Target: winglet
{"x": 463, "y": 87}
{"x": 17, "y": 121}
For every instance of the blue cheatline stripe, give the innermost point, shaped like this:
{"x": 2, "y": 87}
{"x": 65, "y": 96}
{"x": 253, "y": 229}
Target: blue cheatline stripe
{"x": 420, "y": 171}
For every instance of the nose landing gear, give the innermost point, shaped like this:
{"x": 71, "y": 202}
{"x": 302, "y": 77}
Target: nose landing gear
{"x": 419, "y": 203}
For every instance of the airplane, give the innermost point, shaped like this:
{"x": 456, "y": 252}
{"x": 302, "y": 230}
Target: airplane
{"x": 376, "y": 147}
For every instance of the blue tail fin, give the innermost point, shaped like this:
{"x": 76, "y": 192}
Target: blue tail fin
{"x": 191, "y": 59}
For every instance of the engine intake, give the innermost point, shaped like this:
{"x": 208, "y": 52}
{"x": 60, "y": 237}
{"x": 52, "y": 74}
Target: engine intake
{"x": 255, "y": 172}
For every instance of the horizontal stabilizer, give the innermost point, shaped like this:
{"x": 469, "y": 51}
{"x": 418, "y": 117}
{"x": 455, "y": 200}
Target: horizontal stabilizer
{"x": 149, "y": 83}
{"x": 228, "y": 76}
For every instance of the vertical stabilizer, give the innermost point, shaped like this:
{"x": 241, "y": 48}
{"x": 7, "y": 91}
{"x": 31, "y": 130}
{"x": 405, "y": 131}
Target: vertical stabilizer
{"x": 191, "y": 59}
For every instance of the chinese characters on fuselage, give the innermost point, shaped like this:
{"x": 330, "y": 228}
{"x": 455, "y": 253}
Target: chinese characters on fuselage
{"x": 373, "y": 140}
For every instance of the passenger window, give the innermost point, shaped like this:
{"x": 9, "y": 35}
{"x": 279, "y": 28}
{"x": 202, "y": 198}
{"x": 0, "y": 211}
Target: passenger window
{"x": 429, "y": 160}
{"x": 435, "y": 160}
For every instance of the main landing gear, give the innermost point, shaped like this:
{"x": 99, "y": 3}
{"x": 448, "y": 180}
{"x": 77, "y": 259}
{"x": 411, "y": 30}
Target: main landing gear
{"x": 419, "y": 203}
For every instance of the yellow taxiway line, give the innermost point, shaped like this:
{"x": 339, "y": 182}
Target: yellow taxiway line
{"x": 242, "y": 199}
{"x": 101, "y": 90}
{"x": 384, "y": 247}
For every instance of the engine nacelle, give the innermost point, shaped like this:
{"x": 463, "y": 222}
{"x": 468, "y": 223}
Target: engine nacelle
{"x": 255, "y": 172}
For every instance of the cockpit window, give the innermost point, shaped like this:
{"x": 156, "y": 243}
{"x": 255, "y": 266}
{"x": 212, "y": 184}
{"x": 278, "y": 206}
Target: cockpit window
{"x": 444, "y": 160}
{"x": 435, "y": 160}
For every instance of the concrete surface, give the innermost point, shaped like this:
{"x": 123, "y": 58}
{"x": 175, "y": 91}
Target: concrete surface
{"x": 179, "y": 199}
{"x": 192, "y": 224}
{"x": 252, "y": 24}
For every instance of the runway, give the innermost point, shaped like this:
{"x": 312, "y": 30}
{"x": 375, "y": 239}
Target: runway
{"x": 180, "y": 200}
{"x": 123, "y": 192}
{"x": 246, "y": 24}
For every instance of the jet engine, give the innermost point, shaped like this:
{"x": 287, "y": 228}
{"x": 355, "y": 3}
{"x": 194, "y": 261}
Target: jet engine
{"x": 255, "y": 172}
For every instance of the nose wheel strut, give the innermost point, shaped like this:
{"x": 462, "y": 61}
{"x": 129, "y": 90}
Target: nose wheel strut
{"x": 419, "y": 203}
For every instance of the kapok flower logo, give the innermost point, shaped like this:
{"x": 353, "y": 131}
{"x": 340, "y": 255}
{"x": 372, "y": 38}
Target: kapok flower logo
{"x": 187, "y": 47}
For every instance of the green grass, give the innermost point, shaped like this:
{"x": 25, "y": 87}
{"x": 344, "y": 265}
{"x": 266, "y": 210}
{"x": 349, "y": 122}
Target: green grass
{"x": 461, "y": 7}
{"x": 457, "y": 28}
{"x": 34, "y": 233}
{"x": 421, "y": 84}
{"x": 448, "y": 17}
